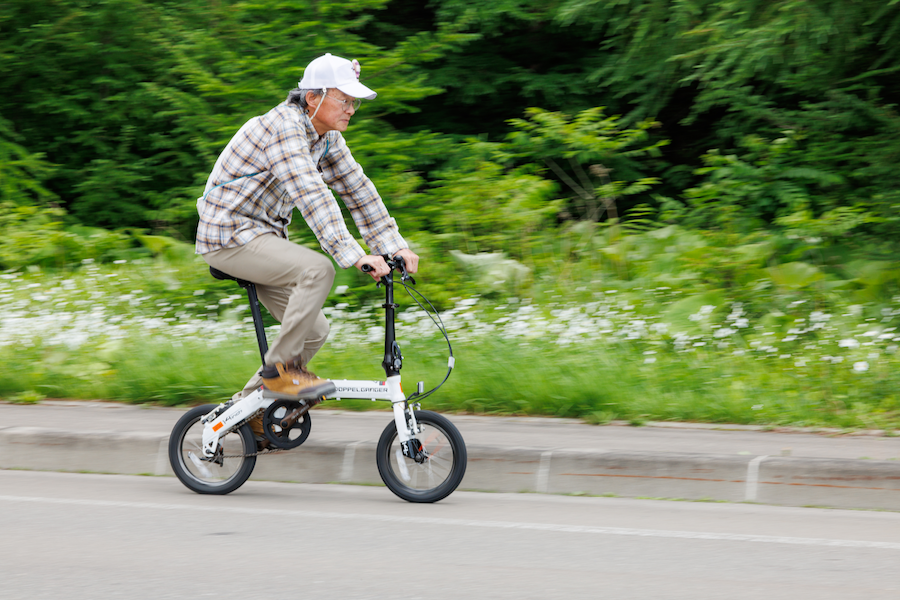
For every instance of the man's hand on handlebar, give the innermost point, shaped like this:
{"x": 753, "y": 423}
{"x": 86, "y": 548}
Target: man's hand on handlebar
{"x": 376, "y": 263}
{"x": 378, "y": 268}
{"x": 410, "y": 258}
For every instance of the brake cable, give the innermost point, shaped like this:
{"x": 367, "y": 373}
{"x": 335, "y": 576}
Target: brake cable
{"x": 439, "y": 323}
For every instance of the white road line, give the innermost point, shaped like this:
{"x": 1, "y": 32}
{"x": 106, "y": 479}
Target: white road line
{"x": 753, "y": 478}
{"x": 549, "y": 527}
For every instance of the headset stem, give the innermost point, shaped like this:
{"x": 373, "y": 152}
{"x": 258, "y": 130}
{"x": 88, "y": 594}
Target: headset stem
{"x": 393, "y": 360}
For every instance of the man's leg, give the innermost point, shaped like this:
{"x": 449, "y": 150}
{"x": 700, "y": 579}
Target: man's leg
{"x": 317, "y": 338}
{"x": 293, "y": 282}
{"x": 319, "y": 335}
{"x": 276, "y": 299}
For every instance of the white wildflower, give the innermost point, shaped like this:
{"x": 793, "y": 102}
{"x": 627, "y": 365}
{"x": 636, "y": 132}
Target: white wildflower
{"x": 861, "y": 366}
{"x": 819, "y": 317}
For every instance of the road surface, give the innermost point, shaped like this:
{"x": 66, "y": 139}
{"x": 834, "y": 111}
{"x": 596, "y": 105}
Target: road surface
{"x": 87, "y": 536}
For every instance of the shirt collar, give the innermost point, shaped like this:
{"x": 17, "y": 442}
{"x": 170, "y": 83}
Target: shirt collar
{"x": 312, "y": 135}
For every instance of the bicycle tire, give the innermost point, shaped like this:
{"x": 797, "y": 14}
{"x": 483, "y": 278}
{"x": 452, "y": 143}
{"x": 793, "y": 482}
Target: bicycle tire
{"x": 432, "y": 480}
{"x": 188, "y": 431}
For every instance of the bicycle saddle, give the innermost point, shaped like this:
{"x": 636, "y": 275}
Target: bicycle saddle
{"x": 223, "y": 276}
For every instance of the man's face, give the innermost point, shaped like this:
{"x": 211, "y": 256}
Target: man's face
{"x": 334, "y": 113}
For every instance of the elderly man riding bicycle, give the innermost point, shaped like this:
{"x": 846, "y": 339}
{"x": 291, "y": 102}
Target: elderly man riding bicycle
{"x": 286, "y": 159}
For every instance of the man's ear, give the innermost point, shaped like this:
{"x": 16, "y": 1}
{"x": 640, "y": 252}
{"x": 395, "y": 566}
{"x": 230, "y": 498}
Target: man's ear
{"x": 310, "y": 96}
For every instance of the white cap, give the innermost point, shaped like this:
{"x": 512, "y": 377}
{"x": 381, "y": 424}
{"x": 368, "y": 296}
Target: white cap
{"x": 335, "y": 72}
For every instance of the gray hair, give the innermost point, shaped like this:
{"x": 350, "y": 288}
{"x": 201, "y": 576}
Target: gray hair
{"x": 298, "y": 96}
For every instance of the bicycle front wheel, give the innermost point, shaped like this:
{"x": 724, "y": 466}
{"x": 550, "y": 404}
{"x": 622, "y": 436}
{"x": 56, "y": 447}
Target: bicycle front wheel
{"x": 203, "y": 476}
{"x": 440, "y": 469}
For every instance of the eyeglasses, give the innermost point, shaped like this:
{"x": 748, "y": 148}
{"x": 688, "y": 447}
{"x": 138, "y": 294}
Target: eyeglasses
{"x": 356, "y": 103}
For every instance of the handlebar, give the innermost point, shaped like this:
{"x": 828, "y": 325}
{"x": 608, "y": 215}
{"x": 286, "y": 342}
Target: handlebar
{"x": 395, "y": 264}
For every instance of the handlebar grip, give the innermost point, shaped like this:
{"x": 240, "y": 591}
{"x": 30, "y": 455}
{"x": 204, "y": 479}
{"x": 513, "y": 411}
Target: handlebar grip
{"x": 367, "y": 269}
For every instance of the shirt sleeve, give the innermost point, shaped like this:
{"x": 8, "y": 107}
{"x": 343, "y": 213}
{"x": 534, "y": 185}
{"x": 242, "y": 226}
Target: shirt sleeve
{"x": 345, "y": 176}
{"x": 291, "y": 162}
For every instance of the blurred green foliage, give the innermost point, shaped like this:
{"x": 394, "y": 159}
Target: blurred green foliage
{"x": 555, "y": 134}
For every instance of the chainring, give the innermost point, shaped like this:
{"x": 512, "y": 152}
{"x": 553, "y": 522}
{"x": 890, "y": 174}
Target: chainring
{"x": 281, "y": 437}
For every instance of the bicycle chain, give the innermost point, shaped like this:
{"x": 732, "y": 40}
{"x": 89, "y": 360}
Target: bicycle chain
{"x": 257, "y": 453}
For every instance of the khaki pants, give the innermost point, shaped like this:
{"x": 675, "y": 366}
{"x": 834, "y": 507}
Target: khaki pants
{"x": 292, "y": 282}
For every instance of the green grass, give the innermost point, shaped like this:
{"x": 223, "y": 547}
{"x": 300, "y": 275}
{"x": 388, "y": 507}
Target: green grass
{"x": 598, "y": 382}
{"x": 168, "y": 334}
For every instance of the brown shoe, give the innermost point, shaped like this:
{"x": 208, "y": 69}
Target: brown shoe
{"x": 291, "y": 383}
{"x": 256, "y": 426}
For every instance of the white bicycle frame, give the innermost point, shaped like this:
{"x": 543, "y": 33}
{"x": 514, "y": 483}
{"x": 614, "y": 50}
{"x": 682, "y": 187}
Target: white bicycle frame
{"x": 217, "y": 426}
{"x": 221, "y": 420}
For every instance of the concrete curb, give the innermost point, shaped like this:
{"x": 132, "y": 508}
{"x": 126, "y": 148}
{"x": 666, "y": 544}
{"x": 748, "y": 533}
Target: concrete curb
{"x": 840, "y": 483}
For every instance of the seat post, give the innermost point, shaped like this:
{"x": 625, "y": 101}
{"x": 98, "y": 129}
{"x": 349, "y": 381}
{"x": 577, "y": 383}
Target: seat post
{"x": 254, "y": 309}
{"x": 257, "y": 321}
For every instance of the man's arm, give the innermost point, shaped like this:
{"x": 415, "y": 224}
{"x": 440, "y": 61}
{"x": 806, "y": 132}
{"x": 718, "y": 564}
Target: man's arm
{"x": 290, "y": 161}
{"x": 341, "y": 171}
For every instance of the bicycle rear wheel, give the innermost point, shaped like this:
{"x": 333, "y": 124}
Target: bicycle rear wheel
{"x": 206, "y": 476}
{"x": 440, "y": 471}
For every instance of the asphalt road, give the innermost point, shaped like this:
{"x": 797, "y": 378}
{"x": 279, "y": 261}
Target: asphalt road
{"x": 80, "y": 536}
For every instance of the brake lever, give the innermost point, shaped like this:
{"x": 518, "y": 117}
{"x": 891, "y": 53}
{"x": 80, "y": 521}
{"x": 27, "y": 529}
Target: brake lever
{"x": 404, "y": 274}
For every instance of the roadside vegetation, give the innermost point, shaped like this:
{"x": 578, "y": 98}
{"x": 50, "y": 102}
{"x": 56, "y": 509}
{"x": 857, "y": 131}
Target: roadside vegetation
{"x": 605, "y": 349}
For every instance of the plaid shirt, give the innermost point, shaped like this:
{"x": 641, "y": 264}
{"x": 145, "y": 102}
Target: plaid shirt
{"x": 277, "y": 162}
